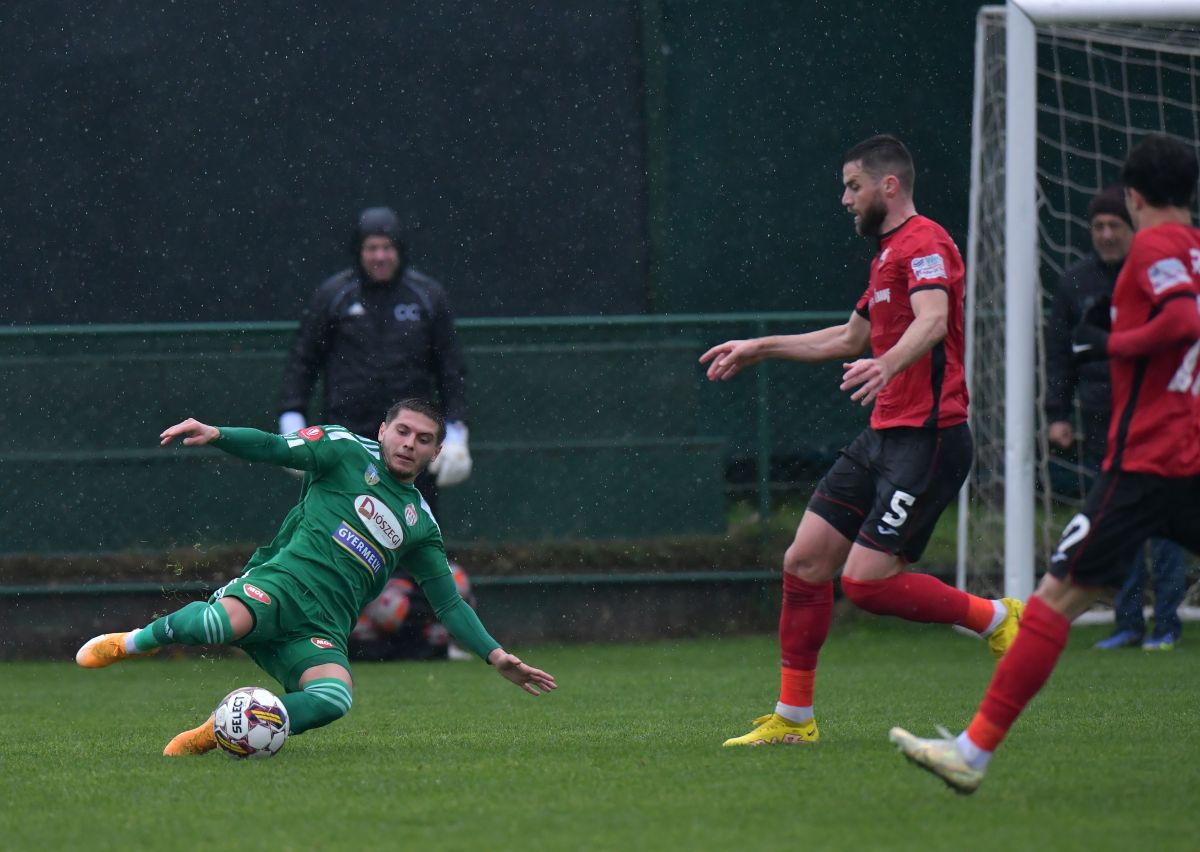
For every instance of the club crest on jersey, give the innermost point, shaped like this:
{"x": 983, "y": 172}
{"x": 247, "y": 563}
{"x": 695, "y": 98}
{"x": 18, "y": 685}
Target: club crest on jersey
{"x": 381, "y": 523}
{"x": 257, "y": 593}
{"x": 410, "y": 515}
{"x": 371, "y": 477}
{"x": 312, "y": 433}
{"x": 321, "y": 643}
{"x": 883, "y": 256}
{"x": 929, "y": 266}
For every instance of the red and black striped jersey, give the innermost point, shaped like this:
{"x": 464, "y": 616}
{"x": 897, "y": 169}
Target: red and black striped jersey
{"x": 932, "y": 391}
{"x": 1155, "y": 426}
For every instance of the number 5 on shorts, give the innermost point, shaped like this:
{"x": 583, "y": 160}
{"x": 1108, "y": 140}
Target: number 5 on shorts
{"x": 901, "y": 500}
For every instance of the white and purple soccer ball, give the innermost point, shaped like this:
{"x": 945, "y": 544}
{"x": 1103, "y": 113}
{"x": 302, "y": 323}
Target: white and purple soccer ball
{"x": 250, "y": 722}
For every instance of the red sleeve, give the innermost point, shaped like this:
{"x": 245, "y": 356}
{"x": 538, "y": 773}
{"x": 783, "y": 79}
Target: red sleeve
{"x": 1177, "y": 322}
{"x": 863, "y": 306}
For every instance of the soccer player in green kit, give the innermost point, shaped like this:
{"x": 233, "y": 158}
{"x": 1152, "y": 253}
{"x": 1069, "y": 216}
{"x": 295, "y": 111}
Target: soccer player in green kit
{"x": 359, "y": 518}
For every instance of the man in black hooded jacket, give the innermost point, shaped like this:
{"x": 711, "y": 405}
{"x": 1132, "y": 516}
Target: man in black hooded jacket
{"x": 380, "y": 331}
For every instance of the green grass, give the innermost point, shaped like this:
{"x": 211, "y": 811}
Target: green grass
{"x": 626, "y": 755}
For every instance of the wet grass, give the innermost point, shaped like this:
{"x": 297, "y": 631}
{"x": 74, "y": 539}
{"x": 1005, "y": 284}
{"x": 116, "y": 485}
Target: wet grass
{"x": 626, "y": 755}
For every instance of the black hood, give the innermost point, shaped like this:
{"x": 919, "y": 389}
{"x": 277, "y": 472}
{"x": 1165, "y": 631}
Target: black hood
{"x": 378, "y": 222}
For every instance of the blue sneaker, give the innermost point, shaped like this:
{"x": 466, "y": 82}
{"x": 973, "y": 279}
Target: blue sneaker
{"x": 1166, "y": 642}
{"x": 1120, "y": 639}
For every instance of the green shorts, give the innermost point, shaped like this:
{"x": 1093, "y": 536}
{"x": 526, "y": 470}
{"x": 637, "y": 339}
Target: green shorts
{"x": 291, "y": 632}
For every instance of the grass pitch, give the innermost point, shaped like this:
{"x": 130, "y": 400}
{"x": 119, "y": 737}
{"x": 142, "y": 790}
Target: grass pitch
{"x": 625, "y": 755}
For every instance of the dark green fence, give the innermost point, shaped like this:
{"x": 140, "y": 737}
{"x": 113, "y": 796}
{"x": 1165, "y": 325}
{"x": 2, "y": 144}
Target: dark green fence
{"x": 593, "y": 428}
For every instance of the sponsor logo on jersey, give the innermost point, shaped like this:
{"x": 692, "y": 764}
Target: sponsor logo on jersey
{"x": 321, "y": 643}
{"x": 371, "y": 477}
{"x": 346, "y": 538}
{"x": 929, "y": 266}
{"x": 1194, "y": 254}
{"x": 1167, "y": 273}
{"x": 256, "y": 593}
{"x": 410, "y": 515}
{"x": 312, "y": 433}
{"x": 884, "y": 295}
{"x": 408, "y": 313}
{"x": 381, "y": 523}
{"x": 883, "y": 255}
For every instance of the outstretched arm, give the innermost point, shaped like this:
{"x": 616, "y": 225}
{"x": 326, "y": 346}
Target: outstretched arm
{"x": 828, "y": 344}
{"x": 249, "y": 444}
{"x": 428, "y": 567}
{"x": 931, "y": 312}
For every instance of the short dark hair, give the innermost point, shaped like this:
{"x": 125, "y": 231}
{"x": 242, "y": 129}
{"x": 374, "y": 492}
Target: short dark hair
{"x": 1164, "y": 170}
{"x": 884, "y": 155}
{"x": 421, "y": 406}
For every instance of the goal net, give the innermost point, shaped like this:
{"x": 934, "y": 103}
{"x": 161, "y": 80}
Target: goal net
{"x": 1100, "y": 87}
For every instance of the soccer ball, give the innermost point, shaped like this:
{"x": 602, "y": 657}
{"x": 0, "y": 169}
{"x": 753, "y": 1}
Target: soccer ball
{"x": 250, "y": 722}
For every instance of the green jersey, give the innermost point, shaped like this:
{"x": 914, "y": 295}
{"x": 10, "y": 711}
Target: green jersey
{"x": 354, "y": 525}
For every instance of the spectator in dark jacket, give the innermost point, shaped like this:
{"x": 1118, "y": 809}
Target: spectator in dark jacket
{"x": 1083, "y": 284}
{"x": 380, "y": 332}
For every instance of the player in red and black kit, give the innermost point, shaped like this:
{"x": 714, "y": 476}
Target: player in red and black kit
{"x": 875, "y": 509}
{"x": 1150, "y": 484}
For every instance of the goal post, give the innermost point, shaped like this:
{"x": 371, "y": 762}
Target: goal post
{"x": 1062, "y": 89}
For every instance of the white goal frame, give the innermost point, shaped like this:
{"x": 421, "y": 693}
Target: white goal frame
{"x": 1021, "y": 262}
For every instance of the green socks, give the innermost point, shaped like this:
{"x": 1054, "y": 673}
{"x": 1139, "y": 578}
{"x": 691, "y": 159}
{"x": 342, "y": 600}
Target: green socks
{"x": 198, "y": 623}
{"x": 323, "y": 700}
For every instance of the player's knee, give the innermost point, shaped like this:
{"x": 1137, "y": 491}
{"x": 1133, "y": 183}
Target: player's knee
{"x": 801, "y": 562}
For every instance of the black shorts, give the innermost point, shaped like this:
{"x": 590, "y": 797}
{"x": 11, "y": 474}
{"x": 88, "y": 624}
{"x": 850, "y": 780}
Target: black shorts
{"x": 888, "y": 488}
{"x": 1120, "y": 512}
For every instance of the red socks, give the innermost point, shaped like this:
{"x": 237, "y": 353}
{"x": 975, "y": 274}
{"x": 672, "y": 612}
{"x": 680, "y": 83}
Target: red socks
{"x": 920, "y": 597}
{"x": 1023, "y": 671}
{"x": 804, "y": 622}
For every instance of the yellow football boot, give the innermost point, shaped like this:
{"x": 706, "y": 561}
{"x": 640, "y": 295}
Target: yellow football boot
{"x": 1000, "y": 639}
{"x": 773, "y": 729}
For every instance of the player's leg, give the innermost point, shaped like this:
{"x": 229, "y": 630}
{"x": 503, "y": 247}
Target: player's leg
{"x": 1120, "y": 512}
{"x": 961, "y": 761}
{"x": 921, "y": 472}
{"x": 325, "y": 695}
{"x": 809, "y": 565}
{"x": 214, "y": 622}
{"x": 877, "y": 582}
{"x": 318, "y": 683}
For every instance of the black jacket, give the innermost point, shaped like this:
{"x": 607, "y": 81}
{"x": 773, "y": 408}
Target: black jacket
{"x": 377, "y": 344}
{"x": 1082, "y": 282}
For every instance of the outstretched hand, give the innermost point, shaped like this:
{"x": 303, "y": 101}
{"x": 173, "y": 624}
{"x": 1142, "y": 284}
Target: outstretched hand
{"x": 534, "y": 681}
{"x": 729, "y": 358}
{"x": 193, "y": 432}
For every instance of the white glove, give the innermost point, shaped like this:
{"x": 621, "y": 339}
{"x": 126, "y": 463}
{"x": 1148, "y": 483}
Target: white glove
{"x": 291, "y": 421}
{"x": 453, "y": 464}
